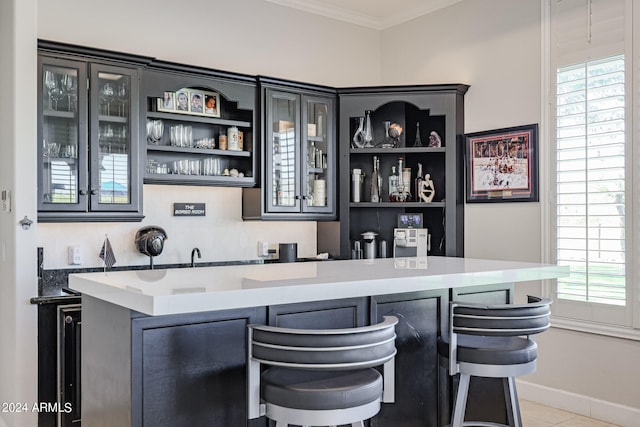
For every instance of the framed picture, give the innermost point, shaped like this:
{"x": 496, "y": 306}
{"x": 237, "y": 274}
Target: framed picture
{"x": 502, "y": 165}
{"x": 167, "y": 102}
{"x": 182, "y": 101}
{"x": 211, "y": 104}
{"x": 196, "y": 102}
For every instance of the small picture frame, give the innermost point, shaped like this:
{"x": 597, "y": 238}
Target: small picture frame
{"x": 502, "y": 165}
{"x": 196, "y": 102}
{"x": 167, "y": 102}
{"x": 211, "y": 104}
{"x": 182, "y": 101}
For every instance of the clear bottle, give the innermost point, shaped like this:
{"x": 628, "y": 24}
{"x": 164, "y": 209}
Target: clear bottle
{"x": 374, "y": 192}
{"x": 418, "y": 141}
{"x": 393, "y": 185}
{"x": 368, "y": 129}
{"x": 400, "y": 187}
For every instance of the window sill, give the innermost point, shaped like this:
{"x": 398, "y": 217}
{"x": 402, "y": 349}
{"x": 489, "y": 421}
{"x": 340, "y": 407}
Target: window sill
{"x": 596, "y": 328}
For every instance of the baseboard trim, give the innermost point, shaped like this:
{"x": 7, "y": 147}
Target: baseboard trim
{"x": 610, "y": 412}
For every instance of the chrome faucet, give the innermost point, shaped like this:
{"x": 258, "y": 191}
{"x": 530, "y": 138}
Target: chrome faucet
{"x": 193, "y": 254}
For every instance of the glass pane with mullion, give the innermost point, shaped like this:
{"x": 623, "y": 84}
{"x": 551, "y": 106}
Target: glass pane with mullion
{"x": 317, "y": 151}
{"x": 59, "y": 135}
{"x": 284, "y": 152}
{"x": 114, "y": 138}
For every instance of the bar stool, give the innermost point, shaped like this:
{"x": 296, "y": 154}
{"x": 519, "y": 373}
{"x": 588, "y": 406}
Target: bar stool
{"x": 320, "y": 377}
{"x": 492, "y": 341}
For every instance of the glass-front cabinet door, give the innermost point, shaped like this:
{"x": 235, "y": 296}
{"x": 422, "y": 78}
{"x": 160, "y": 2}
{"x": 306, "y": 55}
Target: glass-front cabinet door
{"x": 87, "y": 134}
{"x": 62, "y": 149}
{"x": 112, "y": 129}
{"x": 318, "y": 153}
{"x": 283, "y": 151}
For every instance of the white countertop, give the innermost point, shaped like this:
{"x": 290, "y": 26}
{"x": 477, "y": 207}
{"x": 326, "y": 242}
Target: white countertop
{"x": 190, "y": 290}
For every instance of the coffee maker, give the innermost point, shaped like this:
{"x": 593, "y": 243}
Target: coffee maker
{"x": 410, "y": 238}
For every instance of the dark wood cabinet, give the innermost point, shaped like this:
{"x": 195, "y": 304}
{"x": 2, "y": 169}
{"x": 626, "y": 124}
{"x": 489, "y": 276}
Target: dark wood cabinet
{"x": 298, "y": 164}
{"x": 435, "y": 108}
{"x": 417, "y": 377}
{"x": 184, "y": 147}
{"x": 88, "y": 136}
{"x": 190, "y": 370}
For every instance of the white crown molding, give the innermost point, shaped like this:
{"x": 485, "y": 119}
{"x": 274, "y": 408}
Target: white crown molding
{"x": 363, "y": 19}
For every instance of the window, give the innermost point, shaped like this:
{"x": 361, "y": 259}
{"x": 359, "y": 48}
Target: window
{"x": 590, "y": 180}
{"x": 591, "y": 131}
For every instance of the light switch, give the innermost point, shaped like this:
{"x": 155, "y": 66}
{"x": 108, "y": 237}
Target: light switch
{"x": 5, "y": 196}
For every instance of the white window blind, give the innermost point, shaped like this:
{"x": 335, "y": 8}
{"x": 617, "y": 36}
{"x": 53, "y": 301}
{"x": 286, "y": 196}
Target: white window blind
{"x": 590, "y": 65}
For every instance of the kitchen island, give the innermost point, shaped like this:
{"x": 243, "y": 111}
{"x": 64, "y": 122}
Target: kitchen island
{"x": 167, "y": 347}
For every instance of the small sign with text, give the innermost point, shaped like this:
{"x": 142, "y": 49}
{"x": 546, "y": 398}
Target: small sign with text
{"x": 189, "y": 209}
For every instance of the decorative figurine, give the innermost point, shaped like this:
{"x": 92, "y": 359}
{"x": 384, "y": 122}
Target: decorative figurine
{"x": 427, "y": 191}
{"x": 395, "y": 130}
{"x": 358, "y": 136}
{"x": 434, "y": 140}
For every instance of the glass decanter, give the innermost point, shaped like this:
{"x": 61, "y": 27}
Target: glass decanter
{"x": 368, "y": 129}
{"x": 358, "y": 136}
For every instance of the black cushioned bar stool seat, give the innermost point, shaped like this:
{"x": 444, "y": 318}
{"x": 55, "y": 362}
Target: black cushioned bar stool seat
{"x": 321, "y": 390}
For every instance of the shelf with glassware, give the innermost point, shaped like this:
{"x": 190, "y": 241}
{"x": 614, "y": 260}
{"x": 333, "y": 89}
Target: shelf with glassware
{"x": 189, "y": 150}
{"x": 86, "y": 126}
{"x": 402, "y": 156}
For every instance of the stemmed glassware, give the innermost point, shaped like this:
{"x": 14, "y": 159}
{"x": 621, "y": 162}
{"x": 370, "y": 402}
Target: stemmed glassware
{"x": 53, "y": 89}
{"x": 107, "y": 92}
{"x": 69, "y": 87}
{"x": 122, "y": 95}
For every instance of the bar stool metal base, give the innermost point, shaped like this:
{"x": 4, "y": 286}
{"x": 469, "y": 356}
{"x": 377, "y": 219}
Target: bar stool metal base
{"x": 307, "y": 418}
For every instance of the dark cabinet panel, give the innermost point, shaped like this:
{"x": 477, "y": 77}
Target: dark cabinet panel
{"x": 191, "y": 368}
{"x": 345, "y": 313}
{"x": 417, "y": 379}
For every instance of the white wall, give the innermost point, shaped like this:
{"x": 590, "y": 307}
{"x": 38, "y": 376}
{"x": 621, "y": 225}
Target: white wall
{"x": 18, "y": 327}
{"x": 495, "y": 46}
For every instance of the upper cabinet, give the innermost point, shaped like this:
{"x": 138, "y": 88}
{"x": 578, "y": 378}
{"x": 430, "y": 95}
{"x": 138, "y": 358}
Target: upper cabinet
{"x": 298, "y": 177}
{"x": 88, "y": 152}
{"x": 401, "y": 153}
{"x": 199, "y": 127}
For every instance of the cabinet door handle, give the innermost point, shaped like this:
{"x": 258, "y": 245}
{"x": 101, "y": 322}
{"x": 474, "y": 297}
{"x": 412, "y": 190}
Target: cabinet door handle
{"x": 82, "y": 192}
{"x": 297, "y": 197}
{"x": 94, "y": 192}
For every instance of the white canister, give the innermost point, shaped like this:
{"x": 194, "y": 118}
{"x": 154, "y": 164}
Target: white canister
{"x": 232, "y": 139}
{"x": 319, "y": 192}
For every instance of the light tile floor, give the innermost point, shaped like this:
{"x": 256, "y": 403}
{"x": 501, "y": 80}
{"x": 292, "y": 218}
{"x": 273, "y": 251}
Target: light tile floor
{"x": 537, "y": 415}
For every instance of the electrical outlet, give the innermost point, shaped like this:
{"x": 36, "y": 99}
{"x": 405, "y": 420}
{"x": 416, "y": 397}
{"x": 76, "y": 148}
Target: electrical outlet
{"x": 75, "y": 256}
{"x": 263, "y": 248}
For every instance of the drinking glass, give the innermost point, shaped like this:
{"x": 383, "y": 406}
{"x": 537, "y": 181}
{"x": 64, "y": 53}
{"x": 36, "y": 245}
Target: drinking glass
{"x": 107, "y": 93}
{"x": 122, "y": 94}
{"x": 53, "y": 89}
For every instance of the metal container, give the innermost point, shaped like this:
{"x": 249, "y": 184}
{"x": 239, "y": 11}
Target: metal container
{"x": 357, "y": 182}
{"x": 370, "y": 249}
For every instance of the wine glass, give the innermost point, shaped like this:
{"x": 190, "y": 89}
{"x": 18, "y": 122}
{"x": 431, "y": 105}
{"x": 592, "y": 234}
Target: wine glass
{"x": 69, "y": 87}
{"x": 122, "y": 94}
{"x": 53, "y": 89}
{"x": 107, "y": 92}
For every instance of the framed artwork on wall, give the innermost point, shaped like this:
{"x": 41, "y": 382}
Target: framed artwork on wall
{"x": 502, "y": 165}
